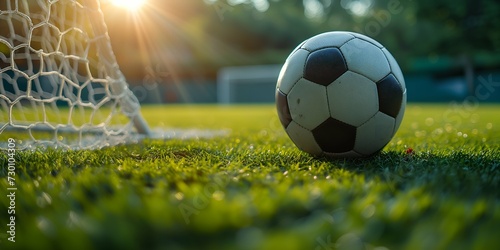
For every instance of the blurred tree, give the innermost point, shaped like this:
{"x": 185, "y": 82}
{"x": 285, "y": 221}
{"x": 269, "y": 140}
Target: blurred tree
{"x": 261, "y": 36}
{"x": 198, "y": 37}
{"x": 268, "y": 36}
{"x": 464, "y": 30}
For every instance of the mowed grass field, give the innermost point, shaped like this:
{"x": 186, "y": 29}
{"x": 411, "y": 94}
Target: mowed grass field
{"x": 435, "y": 186}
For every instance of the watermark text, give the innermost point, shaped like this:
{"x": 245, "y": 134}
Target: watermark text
{"x": 11, "y": 189}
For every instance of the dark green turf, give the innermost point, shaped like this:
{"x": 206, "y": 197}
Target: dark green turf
{"x": 254, "y": 190}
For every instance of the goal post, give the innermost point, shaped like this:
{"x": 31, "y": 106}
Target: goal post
{"x": 60, "y": 82}
{"x": 247, "y": 84}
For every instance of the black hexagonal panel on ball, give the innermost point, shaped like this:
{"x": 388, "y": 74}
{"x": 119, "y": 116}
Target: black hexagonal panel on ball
{"x": 334, "y": 136}
{"x": 324, "y": 66}
{"x": 390, "y": 95}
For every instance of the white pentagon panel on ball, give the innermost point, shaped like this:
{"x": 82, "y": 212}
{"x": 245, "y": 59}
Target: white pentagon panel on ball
{"x": 368, "y": 39}
{"x": 308, "y": 104}
{"x": 401, "y": 113}
{"x": 396, "y": 70}
{"x": 292, "y": 71}
{"x": 328, "y": 39}
{"x": 365, "y": 58}
{"x": 374, "y": 134}
{"x": 352, "y": 98}
{"x": 303, "y": 138}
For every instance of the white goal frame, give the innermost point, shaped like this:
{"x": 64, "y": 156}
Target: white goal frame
{"x": 230, "y": 78}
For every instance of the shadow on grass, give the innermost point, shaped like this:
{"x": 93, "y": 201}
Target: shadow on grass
{"x": 459, "y": 172}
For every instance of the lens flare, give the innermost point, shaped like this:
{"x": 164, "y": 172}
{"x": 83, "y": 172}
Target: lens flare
{"x": 131, "y": 5}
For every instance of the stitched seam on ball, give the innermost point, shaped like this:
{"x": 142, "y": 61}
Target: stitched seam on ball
{"x": 387, "y": 59}
{"x": 302, "y": 74}
{"x": 370, "y": 42}
{"x": 367, "y": 120}
{"x": 295, "y": 83}
{"x": 302, "y": 126}
{"x": 377, "y": 97}
{"x": 338, "y": 47}
{"x": 328, "y": 102}
{"x": 347, "y": 65}
{"x": 343, "y": 56}
{"x": 366, "y": 76}
{"x": 325, "y": 47}
{"x": 392, "y": 70}
{"x": 392, "y": 73}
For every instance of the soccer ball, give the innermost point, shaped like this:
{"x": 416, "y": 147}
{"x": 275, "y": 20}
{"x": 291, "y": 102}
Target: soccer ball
{"x": 341, "y": 94}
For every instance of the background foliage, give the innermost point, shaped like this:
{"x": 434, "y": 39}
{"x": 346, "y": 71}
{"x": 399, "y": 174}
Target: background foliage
{"x": 196, "y": 38}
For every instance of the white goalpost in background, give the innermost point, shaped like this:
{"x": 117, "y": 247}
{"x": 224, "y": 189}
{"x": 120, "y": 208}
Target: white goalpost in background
{"x": 247, "y": 84}
{"x": 60, "y": 83}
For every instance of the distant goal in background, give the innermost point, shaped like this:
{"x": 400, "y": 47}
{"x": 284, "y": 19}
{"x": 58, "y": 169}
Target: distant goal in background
{"x": 247, "y": 84}
{"x": 60, "y": 82}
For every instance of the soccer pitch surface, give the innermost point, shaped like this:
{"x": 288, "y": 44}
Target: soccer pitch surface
{"x": 436, "y": 185}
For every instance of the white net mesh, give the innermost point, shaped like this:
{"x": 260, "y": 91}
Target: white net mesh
{"x": 60, "y": 82}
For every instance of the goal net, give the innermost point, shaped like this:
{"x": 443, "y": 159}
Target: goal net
{"x": 60, "y": 83}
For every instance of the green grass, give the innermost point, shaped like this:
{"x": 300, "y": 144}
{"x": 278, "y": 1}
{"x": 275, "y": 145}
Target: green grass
{"x": 253, "y": 189}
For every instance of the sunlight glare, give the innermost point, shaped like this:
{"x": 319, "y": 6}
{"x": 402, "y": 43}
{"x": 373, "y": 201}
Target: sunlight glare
{"x": 132, "y": 5}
